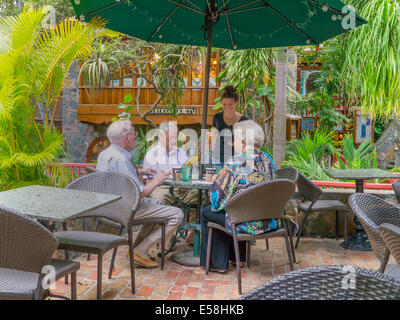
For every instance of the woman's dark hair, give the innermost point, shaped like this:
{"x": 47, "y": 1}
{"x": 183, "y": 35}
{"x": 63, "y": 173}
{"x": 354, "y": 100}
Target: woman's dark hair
{"x": 230, "y": 93}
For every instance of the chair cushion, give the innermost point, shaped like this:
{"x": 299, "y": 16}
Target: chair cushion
{"x": 64, "y": 267}
{"x": 18, "y": 285}
{"x": 246, "y": 237}
{"x": 90, "y": 242}
{"x": 323, "y": 205}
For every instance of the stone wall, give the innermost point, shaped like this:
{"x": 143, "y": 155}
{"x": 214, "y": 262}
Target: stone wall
{"x": 77, "y": 135}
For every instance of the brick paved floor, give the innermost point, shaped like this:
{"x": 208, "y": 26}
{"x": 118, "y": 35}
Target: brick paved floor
{"x": 191, "y": 283}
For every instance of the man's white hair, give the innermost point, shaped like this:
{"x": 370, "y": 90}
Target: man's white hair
{"x": 249, "y": 132}
{"x": 118, "y": 129}
{"x": 165, "y": 126}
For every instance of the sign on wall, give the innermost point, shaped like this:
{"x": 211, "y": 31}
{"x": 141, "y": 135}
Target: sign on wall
{"x": 167, "y": 111}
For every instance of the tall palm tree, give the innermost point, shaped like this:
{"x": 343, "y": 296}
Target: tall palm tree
{"x": 33, "y": 66}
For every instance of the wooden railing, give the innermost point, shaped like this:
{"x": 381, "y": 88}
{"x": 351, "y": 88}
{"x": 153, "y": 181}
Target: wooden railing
{"x": 75, "y": 170}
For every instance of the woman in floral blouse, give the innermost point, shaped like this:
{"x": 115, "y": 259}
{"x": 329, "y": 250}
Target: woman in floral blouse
{"x": 250, "y": 166}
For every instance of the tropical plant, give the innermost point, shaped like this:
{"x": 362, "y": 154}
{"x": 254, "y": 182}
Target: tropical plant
{"x": 319, "y": 102}
{"x": 97, "y": 70}
{"x": 363, "y": 157}
{"x": 309, "y": 154}
{"x": 142, "y": 145}
{"x": 33, "y": 66}
{"x": 370, "y": 56}
{"x": 321, "y": 143}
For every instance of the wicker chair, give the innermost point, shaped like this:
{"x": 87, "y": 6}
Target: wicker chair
{"x": 121, "y": 211}
{"x": 311, "y": 193}
{"x": 251, "y": 205}
{"x": 372, "y": 213}
{"x": 391, "y": 235}
{"x": 25, "y": 248}
{"x": 136, "y": 222}
{"x": 328, "y": 283}
{"x": 291, "y": 174}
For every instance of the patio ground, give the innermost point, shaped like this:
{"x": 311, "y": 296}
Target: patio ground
{"x": 178, "y": 282}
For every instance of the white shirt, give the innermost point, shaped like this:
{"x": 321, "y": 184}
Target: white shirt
{"x": 118, "y": 160}
{"x": 158, "y": 158}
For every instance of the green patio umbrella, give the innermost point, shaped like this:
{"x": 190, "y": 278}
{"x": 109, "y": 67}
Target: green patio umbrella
{"x": 231, "y": 24}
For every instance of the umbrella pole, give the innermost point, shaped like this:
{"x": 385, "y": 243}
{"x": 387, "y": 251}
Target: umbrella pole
{"x": 205, "y": 105}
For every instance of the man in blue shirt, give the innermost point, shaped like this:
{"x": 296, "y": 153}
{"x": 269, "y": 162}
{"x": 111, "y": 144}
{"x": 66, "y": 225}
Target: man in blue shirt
{"x": 116, "y": 158}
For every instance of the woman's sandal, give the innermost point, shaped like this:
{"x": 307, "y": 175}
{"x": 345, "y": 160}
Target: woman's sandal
{"x": 219, "y": 270}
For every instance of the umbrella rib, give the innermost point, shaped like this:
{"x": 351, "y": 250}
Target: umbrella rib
{"x": 164, "y": 22}
{"x": 186, "y": 7}
{"x": 194, "y": 5}
{"x": 229, "y": 25}
{"x": 241, "y": 6}
{"x": 223, "y": 5}
{"x": 290, "y": 23}
{"x": 106, "y": 7}
{"x": 225, "y": 13}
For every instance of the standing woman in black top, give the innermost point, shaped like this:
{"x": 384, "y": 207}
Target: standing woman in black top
{"x": 225, "y": 120}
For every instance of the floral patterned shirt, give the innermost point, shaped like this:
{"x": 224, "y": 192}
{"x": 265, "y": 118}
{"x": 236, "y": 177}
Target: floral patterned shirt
{"x": 247, "y": 169}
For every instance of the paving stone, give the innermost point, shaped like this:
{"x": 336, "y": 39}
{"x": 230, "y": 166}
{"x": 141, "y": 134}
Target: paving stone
{"x": 178, "y": 282}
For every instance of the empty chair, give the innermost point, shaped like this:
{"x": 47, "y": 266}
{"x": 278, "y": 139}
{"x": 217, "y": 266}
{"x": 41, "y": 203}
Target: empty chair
{"x": 311, "y": 193}
{"x": 25, "y": 248}
{"x": 121, "y": 211}
{"x": 261, "y": 202}
{"x": 289, "y": 173}
{"x": 396, "y": 188}
{"x": 372, "y": 213}
{"x": 391, "y": 235}
{"x": 326, "y": 283}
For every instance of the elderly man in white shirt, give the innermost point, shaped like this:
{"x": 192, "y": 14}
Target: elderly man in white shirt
{"x": 164, "y": 157}
{"x": 116, "y": 158}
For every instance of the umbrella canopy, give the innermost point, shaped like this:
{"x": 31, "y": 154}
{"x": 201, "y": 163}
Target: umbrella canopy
{"x": 238, "y": 24}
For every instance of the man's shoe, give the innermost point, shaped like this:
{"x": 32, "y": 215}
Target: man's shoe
{"x": 144, "y": 262}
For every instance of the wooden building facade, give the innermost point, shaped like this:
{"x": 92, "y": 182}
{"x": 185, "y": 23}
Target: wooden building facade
{"x": 98, "y": 106}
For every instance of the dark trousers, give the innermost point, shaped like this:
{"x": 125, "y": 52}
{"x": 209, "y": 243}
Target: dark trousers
{"x": 222, "y": 248}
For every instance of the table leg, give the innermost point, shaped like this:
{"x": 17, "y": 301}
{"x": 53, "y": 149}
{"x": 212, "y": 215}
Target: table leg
{"x": 358, "y": 241}
{"x": 189, "y": 257}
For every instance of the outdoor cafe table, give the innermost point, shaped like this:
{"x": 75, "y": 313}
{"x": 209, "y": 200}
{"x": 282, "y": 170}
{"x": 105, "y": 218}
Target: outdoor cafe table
{"x": 54, "y": 204}
{"x": 359, "y": 240}
{"x": 189, "y": 257}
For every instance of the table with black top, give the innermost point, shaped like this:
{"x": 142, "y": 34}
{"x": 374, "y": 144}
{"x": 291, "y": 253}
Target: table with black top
{"x": 359, "y": 241}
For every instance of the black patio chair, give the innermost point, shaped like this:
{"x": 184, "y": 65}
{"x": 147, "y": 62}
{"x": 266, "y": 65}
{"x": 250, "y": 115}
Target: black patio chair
{"x": 261, "y": 202}
{"x": 311, "y": 193}
{"x": 372, "y": 213}
{"x": 121, "y": 211}
{"x": 25, "y": 248}
{"x": 328, "y": 283}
